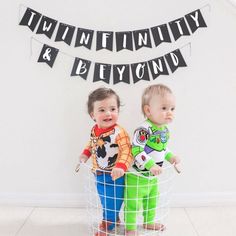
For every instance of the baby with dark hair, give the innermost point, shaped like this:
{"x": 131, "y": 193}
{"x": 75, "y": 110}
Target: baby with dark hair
{"x": 110, "y": 150}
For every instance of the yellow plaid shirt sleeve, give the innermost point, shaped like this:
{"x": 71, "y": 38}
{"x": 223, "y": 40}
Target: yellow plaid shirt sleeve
{"x": 125, "y": 157}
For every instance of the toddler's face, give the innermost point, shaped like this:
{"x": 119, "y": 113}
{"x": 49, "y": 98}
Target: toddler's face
{"x": 105, "y": 112}
{"x": 161, "y": 109}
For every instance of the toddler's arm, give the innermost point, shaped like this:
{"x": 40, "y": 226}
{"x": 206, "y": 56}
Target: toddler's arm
{"x": 125, "y": 157}
{"x": 142, "y": 159}
{"x": 83, "y": 158}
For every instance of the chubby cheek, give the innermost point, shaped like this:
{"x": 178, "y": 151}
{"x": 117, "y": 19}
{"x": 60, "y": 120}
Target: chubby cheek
{"x": 98, "y": 117}
{"x": 163, "y": 116}
{"x": 101, "y": 117}
{"x": 114, "y": 117}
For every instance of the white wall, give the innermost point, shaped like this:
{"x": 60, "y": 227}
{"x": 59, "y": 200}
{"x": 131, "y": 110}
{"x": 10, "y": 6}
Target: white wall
{"x": 43, "y": 119}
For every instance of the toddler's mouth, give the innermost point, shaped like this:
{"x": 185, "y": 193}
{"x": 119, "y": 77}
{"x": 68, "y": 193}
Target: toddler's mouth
{"x": 107, "y": 120}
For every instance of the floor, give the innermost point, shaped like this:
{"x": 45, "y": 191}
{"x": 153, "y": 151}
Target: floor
{"x": 27, "y": 221}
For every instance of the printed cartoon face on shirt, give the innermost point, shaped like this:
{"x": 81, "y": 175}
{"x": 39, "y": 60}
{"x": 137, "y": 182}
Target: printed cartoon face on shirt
{"x": 152, "y": 138}
{"x": 142, "y": 136}
{"x": 106, "y": 153}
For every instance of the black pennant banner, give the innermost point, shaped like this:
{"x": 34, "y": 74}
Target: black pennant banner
{"x": 121, "y": 74}
{"x": 30, "y": 18}
{"x": 84, "y": 38}
{"x": 142, "y": 39}
{"x": 158, "y": 67}
{"x": 195, "y": 20}
{"x": 160, "y": 34}
{"x": 81, "y": 68}
{"x": 140, "y": 71}
{"x": 104, "y": 40}
{"x": 48, "y": 55}
{"x": 129, "y": 40}
{"x": 102, "y": 72}
{"x": 124, "y": 40}
{"x": 46, "y": 26}
{"x": 175, "y": 60}
{"x": 65, "y": 33}
{"x": 179, "y": 28}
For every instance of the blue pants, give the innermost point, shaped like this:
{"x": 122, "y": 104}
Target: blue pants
{"x": 111, "y": 195}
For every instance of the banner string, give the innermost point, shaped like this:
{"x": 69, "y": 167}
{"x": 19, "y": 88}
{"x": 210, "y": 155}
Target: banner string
{"x": 31, "y": 45}
{"x": 232, "y": 3}
{"x": 206, "y": 6}
{"x": 190, "y": 47}
{"x": 31, "y": 49}
{"x": 69, "y": 55}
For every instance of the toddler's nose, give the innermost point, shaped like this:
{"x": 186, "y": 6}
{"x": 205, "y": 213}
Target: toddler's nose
{"x": 108, "y": 113}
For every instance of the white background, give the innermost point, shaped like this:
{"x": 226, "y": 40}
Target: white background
{"x": 43, "y": 120}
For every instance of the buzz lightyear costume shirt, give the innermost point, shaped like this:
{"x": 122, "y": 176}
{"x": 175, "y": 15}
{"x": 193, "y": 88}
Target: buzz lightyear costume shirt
{"x": 149, "y": 147}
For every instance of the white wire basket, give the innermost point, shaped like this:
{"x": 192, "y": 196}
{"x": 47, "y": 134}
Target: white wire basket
{"x": 95, "y": 209}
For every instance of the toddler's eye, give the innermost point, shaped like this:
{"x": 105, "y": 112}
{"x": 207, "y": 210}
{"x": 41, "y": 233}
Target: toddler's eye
{"x": 113, "y": 109}
{"x": 101, "y": 110}
{"x": 173, "y": 108}
{"x": 163, "y": 108}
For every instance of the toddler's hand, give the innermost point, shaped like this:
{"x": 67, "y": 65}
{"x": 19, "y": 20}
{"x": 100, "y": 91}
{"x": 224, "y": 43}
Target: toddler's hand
{"x": 156, "y": 170}
{"x": 174, "y": 160}
{"x": 117, "y": 173}
{"x": 82, "y": 159}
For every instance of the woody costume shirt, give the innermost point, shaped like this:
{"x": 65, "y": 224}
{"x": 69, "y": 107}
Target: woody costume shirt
{"x": 109, "y": 148}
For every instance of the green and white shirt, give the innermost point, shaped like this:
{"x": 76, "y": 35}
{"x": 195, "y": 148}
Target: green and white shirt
{"x": 149, "y": 146}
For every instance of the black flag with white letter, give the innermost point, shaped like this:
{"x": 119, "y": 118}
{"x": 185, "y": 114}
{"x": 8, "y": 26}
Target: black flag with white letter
{"x": 175, "y": 60}
{"x": 140, "y": 71}
{"x": 160, "y": 34}
{"x": 48, "y": 55}
{"x": 30, "y": 18}
{"x": 142, "y": 39}
{"x": 102, "y": 72}
{"x": 104, "y": 40}
{"x": 65, "y": 33}
{"x": 124, "y": 40}
{"x": 81, "y": 68}
{"x": 158, "y": 67}
{"x": 179, "y": 28}
{"x": 46, "y": 26}
{"x": 121, "y": 74}
{"x": 84, "y": 38}
{"x": 195, "y": 20}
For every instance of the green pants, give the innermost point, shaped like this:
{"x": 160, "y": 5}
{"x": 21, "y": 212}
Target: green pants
{"x": 141, "y": 194}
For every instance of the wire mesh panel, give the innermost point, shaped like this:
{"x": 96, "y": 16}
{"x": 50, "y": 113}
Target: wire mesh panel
{"x": 134, "y": 202}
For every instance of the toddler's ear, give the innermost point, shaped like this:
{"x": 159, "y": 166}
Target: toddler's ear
{"x": 146, "y": 109}
{"x": 91, "y": 115}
